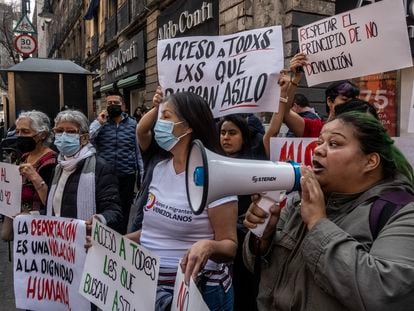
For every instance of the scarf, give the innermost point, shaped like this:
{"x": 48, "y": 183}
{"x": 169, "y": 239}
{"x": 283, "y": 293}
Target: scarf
{"x": 85, "y": 198}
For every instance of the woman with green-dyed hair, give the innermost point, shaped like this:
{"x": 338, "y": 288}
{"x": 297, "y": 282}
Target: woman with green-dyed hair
{"x": 348, "y": 242}
{"x": 373, "y": 137}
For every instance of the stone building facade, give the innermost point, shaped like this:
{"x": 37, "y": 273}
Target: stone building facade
{"x": 118, "y": 40}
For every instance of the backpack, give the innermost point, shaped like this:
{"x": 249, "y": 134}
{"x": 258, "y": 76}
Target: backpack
{"x": 386, "y": 206}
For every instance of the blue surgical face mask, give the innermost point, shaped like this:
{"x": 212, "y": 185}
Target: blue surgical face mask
{"x": 67, "y": 144}
{"x": 164, "y": 134}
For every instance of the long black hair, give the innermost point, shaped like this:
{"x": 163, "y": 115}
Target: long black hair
{"x": 356, "y": 104}
{"x": 343, "y": 87}
{"x": 193, "y": 109}
{"x": 239, "y": 121}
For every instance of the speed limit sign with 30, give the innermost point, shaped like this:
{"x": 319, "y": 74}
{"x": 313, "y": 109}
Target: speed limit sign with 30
{"x": 25, "y": 44}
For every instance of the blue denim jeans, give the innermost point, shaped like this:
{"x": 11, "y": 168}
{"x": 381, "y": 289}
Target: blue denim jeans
{"x": 217, "y": 299}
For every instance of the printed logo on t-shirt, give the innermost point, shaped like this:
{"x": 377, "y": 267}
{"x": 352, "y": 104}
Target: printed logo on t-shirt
{"x": 171, "y": 212}
{"x": 150, "y": 201}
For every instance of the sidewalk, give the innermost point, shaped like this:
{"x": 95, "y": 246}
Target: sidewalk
{"x": 6, "y": 278}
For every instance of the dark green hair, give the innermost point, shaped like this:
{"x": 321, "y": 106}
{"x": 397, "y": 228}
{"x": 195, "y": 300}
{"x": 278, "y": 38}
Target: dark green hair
{"x": 373, "y": 137}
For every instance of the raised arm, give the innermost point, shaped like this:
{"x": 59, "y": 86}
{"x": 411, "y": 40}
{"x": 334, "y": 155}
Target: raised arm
{"x": 147, "y": 122}
{"x": 292, "y": 120}
{"x": 277, "y": 117}
{"x": 288, "y": 81}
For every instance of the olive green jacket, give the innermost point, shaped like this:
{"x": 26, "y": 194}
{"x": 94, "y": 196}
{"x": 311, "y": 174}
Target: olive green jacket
{"x": 337, "y": 265}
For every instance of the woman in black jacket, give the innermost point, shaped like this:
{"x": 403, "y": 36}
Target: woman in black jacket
{"x": 83, "y": 186}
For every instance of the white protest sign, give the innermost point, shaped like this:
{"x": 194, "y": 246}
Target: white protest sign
{"x": 49, "y": 255}
{"x": 235, "y": 73}
{"x": 298, "y": 149}
{"x": 406, "y": 146}
{"x": 186, "y": 297}
{"x": 411, "y": 117}
{"x": 360, "y": 42}
{"x": 10, "y": 189}
{"x": 119, "y": 274}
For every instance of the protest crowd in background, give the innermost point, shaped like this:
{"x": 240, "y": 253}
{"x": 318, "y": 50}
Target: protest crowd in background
{"x": 344, "y": 241}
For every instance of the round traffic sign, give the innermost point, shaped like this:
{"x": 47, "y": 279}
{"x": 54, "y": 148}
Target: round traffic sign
{"x": 25, "y": 44}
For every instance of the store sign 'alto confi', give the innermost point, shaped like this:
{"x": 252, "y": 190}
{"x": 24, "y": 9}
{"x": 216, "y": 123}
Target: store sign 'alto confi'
{"x": 186, "y": 21}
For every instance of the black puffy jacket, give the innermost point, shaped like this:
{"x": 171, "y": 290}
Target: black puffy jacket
{"x": 106, "y": 194}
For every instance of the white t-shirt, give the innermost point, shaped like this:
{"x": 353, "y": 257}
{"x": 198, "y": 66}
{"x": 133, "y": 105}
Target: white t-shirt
{"x": 170, "y": 228}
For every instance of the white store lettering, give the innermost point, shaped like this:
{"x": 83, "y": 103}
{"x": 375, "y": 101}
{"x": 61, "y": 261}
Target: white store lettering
{"x": 186, "y": 21}
{"x": 121, "y": 57}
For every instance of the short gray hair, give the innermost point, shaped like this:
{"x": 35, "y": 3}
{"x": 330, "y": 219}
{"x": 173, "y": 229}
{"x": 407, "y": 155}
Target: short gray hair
{"x": 74, "y": 116}
{"x": 39, "y": 122}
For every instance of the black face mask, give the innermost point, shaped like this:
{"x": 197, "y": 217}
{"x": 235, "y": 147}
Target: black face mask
{"x": 114, "y": 111}
{"x": 26, "y": 143}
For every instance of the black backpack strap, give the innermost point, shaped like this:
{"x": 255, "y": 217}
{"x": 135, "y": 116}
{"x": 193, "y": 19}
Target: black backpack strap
{"x": 142, "y": 196}
{"x": 386, "y": 206}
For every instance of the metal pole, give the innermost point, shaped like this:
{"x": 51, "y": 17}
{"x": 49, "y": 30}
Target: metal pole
{"x": 10, "y": 259}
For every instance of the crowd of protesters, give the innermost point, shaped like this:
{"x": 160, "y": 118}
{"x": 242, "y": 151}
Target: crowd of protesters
{"x": 322, "y": 248}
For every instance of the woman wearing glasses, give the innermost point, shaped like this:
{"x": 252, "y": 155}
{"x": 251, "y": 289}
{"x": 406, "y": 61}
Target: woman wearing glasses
{"x": 83, "y": 185}
{"x": 36, "y": 164}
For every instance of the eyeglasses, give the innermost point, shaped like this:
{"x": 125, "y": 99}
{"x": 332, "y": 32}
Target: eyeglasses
{"x": 67, "y": 131}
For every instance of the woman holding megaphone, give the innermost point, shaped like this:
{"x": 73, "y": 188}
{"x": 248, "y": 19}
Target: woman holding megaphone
{"x": 204, "y": 244}
{"x": 348, "y": 242}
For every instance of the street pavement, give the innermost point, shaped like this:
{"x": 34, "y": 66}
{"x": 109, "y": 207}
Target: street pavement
{"x": 6, "y": 278}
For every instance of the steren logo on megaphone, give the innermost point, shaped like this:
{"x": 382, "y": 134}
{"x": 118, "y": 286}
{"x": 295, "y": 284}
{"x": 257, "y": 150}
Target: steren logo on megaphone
{"x": 256, "y": 179}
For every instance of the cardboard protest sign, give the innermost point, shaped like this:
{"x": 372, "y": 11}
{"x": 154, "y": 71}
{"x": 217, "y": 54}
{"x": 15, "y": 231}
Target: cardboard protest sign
{"x": 10, "y": 189}
{"x": 298, "y": 149}
{"x": 359, "y": 42}
{"x": 186, "y": 297}
{"x": 49, "y": 255}
{"x": 119, "y": 274}
{"x": 411, "y": 117}
{"x": 235, "y": 73}
{"x": 405, "y": 144}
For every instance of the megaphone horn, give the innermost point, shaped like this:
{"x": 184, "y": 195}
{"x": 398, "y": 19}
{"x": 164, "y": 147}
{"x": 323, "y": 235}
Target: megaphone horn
{"x": 210, "y": 176}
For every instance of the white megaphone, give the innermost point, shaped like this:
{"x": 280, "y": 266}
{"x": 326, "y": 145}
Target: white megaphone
{"x": 210, "y": 176}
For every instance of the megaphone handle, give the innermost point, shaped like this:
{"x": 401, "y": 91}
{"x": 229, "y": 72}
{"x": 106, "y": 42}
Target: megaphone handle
{"x": 265, "y": 203}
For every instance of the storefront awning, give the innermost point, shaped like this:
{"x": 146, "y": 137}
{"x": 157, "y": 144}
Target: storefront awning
{"x": 107, "y": 87}
{"x": 127, "y": 82}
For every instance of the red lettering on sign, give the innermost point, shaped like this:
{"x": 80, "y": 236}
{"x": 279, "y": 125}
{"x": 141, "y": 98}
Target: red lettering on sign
{"x": 182, "y": 301}
{"x": 47, "y": 289}
{"x": 300, "y": 154}
{"x": 3, "y": 176}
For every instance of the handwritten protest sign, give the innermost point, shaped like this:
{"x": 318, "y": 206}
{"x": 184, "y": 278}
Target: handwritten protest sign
{"x": 49, "y": 255}
{"x": 119, "y": 274}
{"x": 298, "y": 149}
{"x": 363, "y": 41}
{"x": 186, "y": 297}
{"x": 10, "y": 189}
{"x": 411, "y": 117}
{"x": 235, "y": 73}
{"x": 405, "y": 144}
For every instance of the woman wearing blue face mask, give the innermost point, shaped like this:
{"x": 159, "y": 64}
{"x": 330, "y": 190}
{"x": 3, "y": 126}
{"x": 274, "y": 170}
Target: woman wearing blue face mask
{"x": 83, "y": 185}
{"x": 204, "y": 243}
